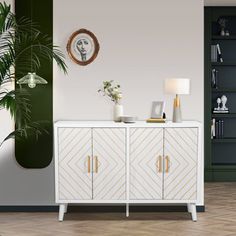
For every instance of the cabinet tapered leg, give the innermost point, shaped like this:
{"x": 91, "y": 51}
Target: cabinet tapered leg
{"x": 189, "y": 208}
{"x": 66, "y": 206}
{"x": 127, "y": 209}
{"x": 62, "y": 208}
{"x": 194, "y": 212}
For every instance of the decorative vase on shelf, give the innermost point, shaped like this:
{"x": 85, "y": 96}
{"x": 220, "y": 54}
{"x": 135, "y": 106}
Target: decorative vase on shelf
{"x": 118, "y": 111}
{"x": 222, "y": 32}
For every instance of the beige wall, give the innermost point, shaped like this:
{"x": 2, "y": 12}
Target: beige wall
{"x": 142, "y": 42}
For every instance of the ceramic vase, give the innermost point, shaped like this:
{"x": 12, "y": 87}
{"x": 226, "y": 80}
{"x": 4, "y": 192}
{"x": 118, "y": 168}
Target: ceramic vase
{"x": 117, "y": 112}
{"x": 222, "y": 32}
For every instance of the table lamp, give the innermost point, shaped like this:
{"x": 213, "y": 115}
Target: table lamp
{"x": 177, "y": 86}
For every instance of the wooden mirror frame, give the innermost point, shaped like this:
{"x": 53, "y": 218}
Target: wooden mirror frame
{"x": 96, "y": 47}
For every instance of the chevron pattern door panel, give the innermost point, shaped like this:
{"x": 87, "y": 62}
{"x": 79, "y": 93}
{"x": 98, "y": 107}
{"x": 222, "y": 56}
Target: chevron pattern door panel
{"x": 75, "y": 147}
{"x": 180, "y": 176}
{"x": 146, "y": 150}
{"x": 109, "y": 151}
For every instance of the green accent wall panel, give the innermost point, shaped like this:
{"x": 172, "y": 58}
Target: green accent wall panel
{"x": 32, "y": 152}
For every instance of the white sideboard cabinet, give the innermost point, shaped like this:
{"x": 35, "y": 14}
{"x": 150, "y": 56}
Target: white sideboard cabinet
{"x": 107, "y": 162}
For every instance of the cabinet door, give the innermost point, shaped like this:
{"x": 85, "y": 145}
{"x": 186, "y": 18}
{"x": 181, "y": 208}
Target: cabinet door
{"x": 146, "y": 162}
{"x": 74, "y": 174}
{"x": 181, "y": 156}
{"x": 109, "y": 151}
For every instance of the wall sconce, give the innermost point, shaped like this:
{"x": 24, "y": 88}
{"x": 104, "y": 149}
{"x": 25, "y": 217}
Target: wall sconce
{"x": 32, "y": 80}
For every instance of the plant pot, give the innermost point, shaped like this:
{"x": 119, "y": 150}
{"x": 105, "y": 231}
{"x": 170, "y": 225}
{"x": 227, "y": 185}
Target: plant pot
{"x": 117, "y": 112}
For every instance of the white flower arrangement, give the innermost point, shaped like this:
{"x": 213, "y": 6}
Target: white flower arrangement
{"x": 112, "y": 90}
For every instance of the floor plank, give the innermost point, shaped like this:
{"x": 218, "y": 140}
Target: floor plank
{"x": 218, "y": 220}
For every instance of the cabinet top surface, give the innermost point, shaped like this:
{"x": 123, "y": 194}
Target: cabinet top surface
{"x": 124, "y": 125}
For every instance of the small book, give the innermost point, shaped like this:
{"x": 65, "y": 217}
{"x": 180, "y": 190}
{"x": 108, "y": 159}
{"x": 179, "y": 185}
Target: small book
{"x": 213, "y": 133}
{"x": 217, "y": 129}
{"x": 213, "y": 53}
{"x": 156, "y": 120}
{"x": 222, "y": 129}
{"x": 214, "y": 78}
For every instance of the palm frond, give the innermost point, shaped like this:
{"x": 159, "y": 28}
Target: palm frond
{"x": 32, "y": 129}
{"x": 18, "y": 104}
{"x": 31, "y": 49}
{"x": 7, "y": 19}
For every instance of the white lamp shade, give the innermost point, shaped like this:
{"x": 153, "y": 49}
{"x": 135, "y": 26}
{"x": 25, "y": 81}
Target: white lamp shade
{"x": 177, "y": 86}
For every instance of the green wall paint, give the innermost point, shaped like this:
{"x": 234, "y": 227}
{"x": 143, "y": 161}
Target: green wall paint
{"x": 32, "y": 153}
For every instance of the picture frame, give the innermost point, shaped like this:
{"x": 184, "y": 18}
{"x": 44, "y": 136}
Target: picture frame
{"x": 158, "y": 108}
{"x": 83, "y": 47}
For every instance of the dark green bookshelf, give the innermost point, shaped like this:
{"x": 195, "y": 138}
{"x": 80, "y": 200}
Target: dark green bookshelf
{"x": 220, "y": 153}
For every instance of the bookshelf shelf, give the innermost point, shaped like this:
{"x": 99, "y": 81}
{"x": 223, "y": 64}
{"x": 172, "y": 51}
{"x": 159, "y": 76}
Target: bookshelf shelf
{"x": 223, "y": 63}
{"x": 224, "y": 140}
{"x": 224, "y": 115}
{"x": 218, "y": 37}
{"x": 220, "y": 151}
{"x": 224, "y": 90}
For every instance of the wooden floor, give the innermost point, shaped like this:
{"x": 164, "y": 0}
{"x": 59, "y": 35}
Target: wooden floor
{"x": 218, "y": 220}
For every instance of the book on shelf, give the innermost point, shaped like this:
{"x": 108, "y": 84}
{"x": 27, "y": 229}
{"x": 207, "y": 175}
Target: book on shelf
{"x": 213, "y": 124}
{"x": 214, "y": 78}
{"x": 217, "y": 129}
{"x": 213, "y": 53}
{"x": 216, "y": 54}
{"x": 221, "y": 129}
{"x": 219, "y": 53}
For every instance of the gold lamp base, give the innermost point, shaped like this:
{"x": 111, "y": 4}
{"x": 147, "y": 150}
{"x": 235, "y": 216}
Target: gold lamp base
{"x": 177, "y": 117}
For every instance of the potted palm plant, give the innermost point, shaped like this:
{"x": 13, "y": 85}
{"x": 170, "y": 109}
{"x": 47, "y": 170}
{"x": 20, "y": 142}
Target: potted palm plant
{"x": 21, "y": 44}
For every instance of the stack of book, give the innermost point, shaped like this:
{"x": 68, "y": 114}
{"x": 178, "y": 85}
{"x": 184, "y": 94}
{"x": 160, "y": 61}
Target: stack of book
{"x": 156, "y": 120}
{"x": 216, "y": 53}
{"x": 217, "y": 129}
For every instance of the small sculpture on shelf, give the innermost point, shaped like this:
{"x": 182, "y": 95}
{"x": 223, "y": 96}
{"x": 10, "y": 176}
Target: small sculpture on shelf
{"x": 222, "y": 22}
{"x": 224, "y": 101}
{"x": 221, "y": 105}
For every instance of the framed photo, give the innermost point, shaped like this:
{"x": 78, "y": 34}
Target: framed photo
{"x": 157, "y": 109}
{"x": 82, "y": 47}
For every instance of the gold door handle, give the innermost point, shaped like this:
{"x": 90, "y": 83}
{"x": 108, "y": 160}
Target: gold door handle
{"x": 167, "y": 159}
{"x": 88, "y": 164}
{"x": 96, "y": 164}
{"x": 159, "y": 164}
